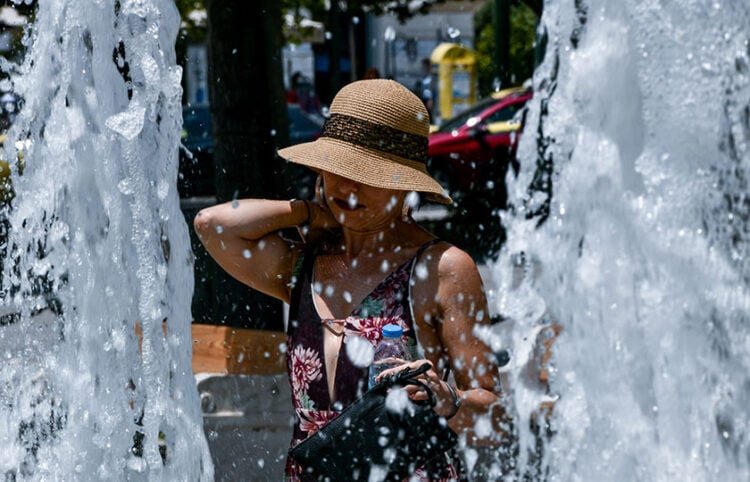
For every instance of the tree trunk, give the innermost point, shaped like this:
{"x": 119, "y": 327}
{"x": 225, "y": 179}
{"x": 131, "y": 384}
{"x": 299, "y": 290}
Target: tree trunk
{"x": 248, "y": 110}
{"x": 501, "y": 11}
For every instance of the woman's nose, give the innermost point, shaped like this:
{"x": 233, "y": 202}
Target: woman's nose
{"x": 347, "y": 186}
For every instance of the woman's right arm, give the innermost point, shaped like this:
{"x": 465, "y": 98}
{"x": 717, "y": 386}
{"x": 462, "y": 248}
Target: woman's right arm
{"x": 242, "y": 236}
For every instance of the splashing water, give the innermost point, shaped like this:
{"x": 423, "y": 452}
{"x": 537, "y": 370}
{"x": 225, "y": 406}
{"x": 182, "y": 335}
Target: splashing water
{"x": 97, "y": 246}
{"x": 632, "y": 207}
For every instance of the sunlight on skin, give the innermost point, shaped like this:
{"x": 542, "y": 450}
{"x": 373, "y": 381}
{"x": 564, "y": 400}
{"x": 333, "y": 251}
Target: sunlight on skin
{"x": 358, "y": 206}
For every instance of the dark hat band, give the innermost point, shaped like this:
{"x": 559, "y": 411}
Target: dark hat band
{"x": 380, "y": 137}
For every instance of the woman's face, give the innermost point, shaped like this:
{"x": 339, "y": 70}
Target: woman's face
{"x": 361, "y": 207}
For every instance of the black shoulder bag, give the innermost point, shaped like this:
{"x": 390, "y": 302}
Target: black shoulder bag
{"x": 367, "y": 434}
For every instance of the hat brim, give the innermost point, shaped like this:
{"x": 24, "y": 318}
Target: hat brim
{"x": 366, "y": 166}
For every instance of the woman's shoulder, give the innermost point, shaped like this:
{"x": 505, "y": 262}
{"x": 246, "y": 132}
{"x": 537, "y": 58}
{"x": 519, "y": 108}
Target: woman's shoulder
{"x": 447, "y": 275}
{"x": 446, "y": 253}
{"x": 444, "y": 259}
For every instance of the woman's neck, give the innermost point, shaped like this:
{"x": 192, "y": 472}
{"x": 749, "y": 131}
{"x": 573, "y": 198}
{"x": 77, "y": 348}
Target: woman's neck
{"x": 388, "y": 238}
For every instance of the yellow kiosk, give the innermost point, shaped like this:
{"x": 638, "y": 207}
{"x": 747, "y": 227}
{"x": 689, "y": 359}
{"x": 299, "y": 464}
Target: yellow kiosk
{"x": 455, "y": 90}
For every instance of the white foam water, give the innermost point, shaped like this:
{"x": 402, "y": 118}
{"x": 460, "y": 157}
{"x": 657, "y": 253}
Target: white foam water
{"x": 97, "y": 245}
{"x": 632, "y": 213}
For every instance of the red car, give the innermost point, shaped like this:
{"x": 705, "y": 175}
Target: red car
{"x": 462, "y": 148}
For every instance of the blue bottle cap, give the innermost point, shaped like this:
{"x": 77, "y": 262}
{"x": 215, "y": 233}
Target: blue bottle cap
{"x": 392, "y": 331}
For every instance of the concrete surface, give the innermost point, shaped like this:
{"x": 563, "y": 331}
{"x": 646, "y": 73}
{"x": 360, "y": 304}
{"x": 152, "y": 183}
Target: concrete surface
{"x": 248, "y": 424}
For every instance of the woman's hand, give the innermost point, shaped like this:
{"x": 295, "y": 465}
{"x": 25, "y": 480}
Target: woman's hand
{"x": 444, "y": 397}
{"x": 320, "y": 225}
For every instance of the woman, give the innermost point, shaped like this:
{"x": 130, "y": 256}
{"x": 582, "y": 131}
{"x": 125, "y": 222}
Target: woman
{"x": 363, "y": 263}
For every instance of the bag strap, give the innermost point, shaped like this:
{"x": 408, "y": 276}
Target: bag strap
{"x": 408, "y": 377}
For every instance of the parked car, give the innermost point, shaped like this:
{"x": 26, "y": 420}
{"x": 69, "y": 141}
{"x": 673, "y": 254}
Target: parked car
{"x": 196, "y": 176}
{"x": 463, "y": 148}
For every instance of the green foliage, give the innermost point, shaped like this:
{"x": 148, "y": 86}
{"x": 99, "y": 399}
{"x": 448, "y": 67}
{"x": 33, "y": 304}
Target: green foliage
{"x": 318, "y": 11}
{"x": 401, "y": 8}
{"x": 523, "y": 23}
{"x": 192, "y": 28}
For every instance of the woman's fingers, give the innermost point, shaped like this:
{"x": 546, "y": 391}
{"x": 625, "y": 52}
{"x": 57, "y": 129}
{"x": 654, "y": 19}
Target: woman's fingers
{"x": 430, "y": 379}
{"x": 399, "y": 365}
{"x": 431, "y": 382}
{"x": 321, "y": 225}
{"x": 321, "y": 217}
{"x": 404, "y": 365}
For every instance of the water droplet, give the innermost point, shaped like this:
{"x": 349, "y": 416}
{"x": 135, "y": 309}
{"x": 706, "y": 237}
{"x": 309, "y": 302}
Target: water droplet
{"x": 360, "y": 351}
{"x": 162, "y": 189}
{"x": 124, "y": 187}
{"x": 412, "y": 199}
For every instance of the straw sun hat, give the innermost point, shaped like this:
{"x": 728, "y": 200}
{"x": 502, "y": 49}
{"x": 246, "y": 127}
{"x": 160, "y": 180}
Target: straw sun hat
{"x": 377, "y": 135}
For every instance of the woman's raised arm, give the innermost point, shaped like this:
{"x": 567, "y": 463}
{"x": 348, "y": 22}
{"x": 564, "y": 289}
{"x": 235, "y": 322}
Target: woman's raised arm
{"x": 242, "y": 236}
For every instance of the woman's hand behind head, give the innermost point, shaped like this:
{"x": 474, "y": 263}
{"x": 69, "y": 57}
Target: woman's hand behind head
{"x": 321, "y": 226}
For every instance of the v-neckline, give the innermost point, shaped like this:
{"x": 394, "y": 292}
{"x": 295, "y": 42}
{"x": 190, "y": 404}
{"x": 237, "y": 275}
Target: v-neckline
{"x": 358, "y": 306}
{"x": 327, "y": 377}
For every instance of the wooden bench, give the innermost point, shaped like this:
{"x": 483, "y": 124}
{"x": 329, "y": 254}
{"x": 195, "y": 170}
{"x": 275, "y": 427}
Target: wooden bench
{"x": 238, "y": 351}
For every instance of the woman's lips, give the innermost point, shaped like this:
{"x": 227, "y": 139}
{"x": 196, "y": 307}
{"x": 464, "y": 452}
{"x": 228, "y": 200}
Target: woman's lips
{"x": 346, "y": 206}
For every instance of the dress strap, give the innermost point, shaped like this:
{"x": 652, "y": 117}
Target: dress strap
{"x": 300, "y": 277}
{"x": 414, "y": 264}
{"x": 425, "y": 246}
{"x": 422, "y": 249}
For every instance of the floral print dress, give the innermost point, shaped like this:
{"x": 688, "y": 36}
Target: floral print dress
{"x": 388, "y": 303}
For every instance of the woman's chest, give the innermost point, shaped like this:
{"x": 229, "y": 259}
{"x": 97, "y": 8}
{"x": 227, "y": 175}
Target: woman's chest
{"x": 366, "y": 289}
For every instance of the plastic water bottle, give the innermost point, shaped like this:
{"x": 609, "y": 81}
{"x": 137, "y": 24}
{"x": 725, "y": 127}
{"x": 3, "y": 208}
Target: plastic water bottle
{"x": 391, "y": 346}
